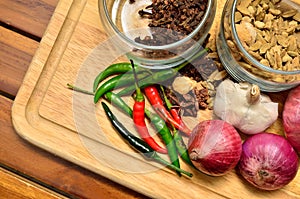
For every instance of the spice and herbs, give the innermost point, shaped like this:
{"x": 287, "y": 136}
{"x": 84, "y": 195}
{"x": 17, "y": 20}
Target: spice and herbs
{"x": 139, "y": 144}
{"x": 214, "y": 146}
{"x": 167, "y": 121}
{"x": 269, "y": 31}
{"x": 171, "y": 20}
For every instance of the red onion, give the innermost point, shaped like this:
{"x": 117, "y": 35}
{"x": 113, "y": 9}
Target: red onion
{"x": 268, "y": 161}
{"x": 291, "y": 118}
{"x": 214, "y": 147}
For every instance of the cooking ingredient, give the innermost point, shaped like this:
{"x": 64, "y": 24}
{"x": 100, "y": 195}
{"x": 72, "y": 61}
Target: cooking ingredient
{"x": 108, "y": 86}
{"x": 269, "y": 32}
{"x": 291, "y": 118}
{"x": 159, "y": 124}
{"x": 268, "y": 161}
{"x": 114, "y": 69}
{"x": 157, "y": 77}
{"x": 139, "y": 117}
{"x": 118, "y": 102}
{"x": 243, "y": 106}
{"x": 114, "y": 83}
{"x": 161, "y": 75}
{"x": 155, "y": 100}
{"x": 166, "y": 135}
{"x": 204, "y": 92}
{"x": 139, "y": 144}
{"x": 180, "y": 145}
{"x": 214, "y": 147}
{"x": 182, "y": 85}
{"x": 111, "y": 70}
{"x": 171, "y": 21}
{"x": 77, "y": 89}
{"x": 175, "y": 114}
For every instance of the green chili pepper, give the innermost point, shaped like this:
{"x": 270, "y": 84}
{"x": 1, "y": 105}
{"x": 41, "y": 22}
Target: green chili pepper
{"x": 116, "y": 82}
{"x": 160, "y": 76}
{"x": 166, "y": 135}
{"x": 139, "y": 144}
{"x": 111, "y": 70}
{"x": 180, "y": 145}
{"x": 118, "y": 102}
{"x": 115, "y": 69}
{"x": 181, "y": 148}
{"x": 157, "y": 77}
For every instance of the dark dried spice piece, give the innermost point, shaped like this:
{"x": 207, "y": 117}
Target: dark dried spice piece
{"x": 202, "y": 96}
{"x": 145, "y": 13}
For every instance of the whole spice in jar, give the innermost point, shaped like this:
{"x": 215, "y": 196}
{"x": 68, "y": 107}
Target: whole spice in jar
{"x": 171, "y": 20}
{"x": 268, "y": 30}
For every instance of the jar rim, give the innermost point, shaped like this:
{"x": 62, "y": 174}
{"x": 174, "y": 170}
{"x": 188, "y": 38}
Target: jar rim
{"x": 245, "y": 52}
{"x": 102, "y": 3}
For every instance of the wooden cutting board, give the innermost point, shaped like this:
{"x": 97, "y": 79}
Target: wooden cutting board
{"x": 74, "y": 49}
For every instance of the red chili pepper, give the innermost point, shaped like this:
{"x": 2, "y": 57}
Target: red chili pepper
{"x": 155, "y": 100}
{"x": 139, "y": 118}
{"x": 178, "y": 119}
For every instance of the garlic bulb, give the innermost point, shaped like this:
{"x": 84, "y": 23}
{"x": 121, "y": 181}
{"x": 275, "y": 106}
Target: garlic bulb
{"x": 243, "y": 106}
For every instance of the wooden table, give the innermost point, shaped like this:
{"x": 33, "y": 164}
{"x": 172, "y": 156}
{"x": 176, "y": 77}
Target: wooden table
{"x": 27, "y": 171}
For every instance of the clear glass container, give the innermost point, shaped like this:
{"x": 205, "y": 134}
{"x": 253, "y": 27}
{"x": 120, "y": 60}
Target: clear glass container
{"x": 121, "y": 21}
{"x": 241, "y": 62}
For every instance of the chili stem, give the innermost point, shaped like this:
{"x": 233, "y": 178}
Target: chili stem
{"x": 139, "y": 94}
{"x": 167, "y": 101}
{"x": 77, "y": 89}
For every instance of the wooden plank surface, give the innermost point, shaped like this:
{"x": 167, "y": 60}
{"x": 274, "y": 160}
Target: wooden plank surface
{"x": 15, "y": 56}
{"x": 15, "y": 187}
{"x": 30, "y": 16}
{"x": 37, "y": 121}
{"x": 55, "y": 172}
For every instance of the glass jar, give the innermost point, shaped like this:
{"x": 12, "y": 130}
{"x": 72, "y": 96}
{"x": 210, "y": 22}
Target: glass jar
{"x": 122, "y": 21}
{"x": 261, "y": 67}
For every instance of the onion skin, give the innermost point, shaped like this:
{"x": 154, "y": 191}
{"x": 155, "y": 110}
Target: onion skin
{"x": 291, "y": 118}
{"x": 214, "y": 147}
{"x": 268, "y": 161}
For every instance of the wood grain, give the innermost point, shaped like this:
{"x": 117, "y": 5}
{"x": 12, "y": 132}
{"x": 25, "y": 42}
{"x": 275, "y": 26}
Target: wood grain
{"x": 14, "y": 187}
{"x": 43, "y": 114}
{"x": 32, "y": 161}
{"x": 29, "y": 16}
{"x": 15, "y": 56}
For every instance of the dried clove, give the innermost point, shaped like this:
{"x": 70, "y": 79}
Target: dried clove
{"x": 182, "y": 17}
